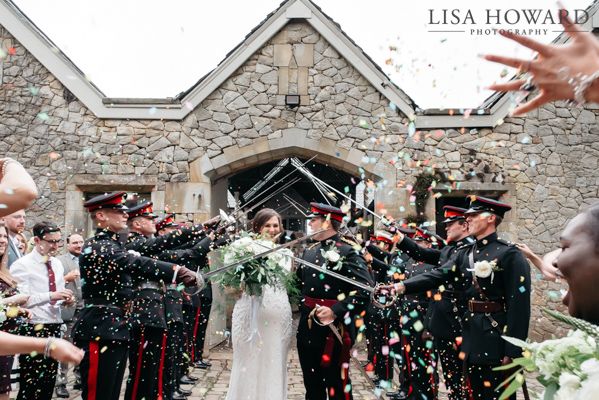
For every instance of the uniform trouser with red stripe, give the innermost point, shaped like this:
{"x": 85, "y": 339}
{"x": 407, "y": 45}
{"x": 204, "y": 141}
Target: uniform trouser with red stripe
{"x": 102, "y": 369}
{"x": 38, "y": 373}
{"x": 189, "y": 317}
{"x": 146, "y": 354}
{"x": 421, "y": 365}
{"x": 174, "y": 360}
{"x": 200, "y": 325}
{"x": 453, "y": 371}
{"x": 320, "y": 381}
{"x": 386, "y": 331}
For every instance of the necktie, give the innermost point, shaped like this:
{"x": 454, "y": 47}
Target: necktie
{"x": 51, "y": 278}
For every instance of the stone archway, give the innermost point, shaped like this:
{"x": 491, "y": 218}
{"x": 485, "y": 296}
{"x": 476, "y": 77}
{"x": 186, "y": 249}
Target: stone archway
{"x": 293, "y": 142}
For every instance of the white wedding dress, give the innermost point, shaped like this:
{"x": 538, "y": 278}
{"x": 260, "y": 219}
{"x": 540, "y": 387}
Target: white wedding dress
{"x": 261, "y": 335}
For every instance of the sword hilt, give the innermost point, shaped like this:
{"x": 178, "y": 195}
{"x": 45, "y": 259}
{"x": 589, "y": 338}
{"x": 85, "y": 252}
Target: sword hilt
{"x": 375, "y": 295}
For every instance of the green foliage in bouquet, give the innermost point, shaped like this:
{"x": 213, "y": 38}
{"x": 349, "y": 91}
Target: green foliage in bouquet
{"x": 567, "y": 367}
{"x": 253, "y": 275}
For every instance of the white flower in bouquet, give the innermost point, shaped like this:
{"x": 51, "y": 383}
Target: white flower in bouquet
{"x": 282, "y": 258}
{"x": 260, "y": 246}
{"x": 568, "y": 367}
{"x": 242, "y": 242}
{"x": 251, "y": 275}
{"x": 550, "y": 356}
{"x": 589, "y": 387}
{"x": 590, "y": 367}
{"x": 568, "y": 386}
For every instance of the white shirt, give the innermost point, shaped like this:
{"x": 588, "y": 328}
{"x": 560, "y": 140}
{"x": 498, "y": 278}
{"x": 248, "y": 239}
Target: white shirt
{"x": 31, "y": 273}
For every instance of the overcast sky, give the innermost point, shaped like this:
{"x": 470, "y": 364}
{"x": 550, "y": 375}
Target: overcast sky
{"x": 157, "y": 48}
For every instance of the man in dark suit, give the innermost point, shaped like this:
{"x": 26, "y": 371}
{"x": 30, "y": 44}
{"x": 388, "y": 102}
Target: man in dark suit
{"x": 495, "y": 279}
{"x": 15, "y": 223}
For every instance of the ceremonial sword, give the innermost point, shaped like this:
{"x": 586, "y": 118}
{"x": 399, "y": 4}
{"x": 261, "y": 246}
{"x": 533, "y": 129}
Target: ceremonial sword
{"x": 201, "y": 277}
{"x": 373, "y": 290}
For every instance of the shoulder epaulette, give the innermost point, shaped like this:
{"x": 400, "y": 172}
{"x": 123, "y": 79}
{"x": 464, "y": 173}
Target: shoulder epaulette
{"x": 506, "y": 242}
{"x": 466, "y": 244}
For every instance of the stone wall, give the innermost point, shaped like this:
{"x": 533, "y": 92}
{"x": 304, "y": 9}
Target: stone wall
{"x": 545, "y": 164}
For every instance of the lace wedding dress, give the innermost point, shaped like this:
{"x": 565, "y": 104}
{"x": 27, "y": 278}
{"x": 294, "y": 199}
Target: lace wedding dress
{"x": 261, "y": 335}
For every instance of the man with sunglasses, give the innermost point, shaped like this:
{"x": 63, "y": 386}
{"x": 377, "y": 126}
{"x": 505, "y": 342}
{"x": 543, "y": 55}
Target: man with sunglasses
{"x": 41, "y": 276}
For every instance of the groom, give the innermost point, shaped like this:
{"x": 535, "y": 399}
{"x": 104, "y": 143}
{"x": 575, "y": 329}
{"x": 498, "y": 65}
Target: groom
{"x": 324, "y": 351}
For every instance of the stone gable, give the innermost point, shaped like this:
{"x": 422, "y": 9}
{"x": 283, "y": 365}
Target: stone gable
{"x": 545, "y": 164}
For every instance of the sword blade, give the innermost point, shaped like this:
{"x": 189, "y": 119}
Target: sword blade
{"x": 314, "y": 179}
{"x": 329, "y": 272}
{"x": 257, "y": 256}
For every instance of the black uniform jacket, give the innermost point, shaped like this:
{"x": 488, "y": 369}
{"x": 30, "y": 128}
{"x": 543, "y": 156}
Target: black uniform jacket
{"x": 415, "y": 306}
{"x": 443, "y": 318}
{"x": 386, "y": 268}
{"x": 351, "y": 300}
{"x": 106, "y": 270}
{"x": 508, "y": 285}
{"x": 192, "y": 257}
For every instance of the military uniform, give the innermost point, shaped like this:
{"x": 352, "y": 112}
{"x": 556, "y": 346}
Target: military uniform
{"x": 193, "y": 256}
{"x": 102, "y": 329}
{"x": 324, "y": 360}
{"x": 443, "y": 319}
{"x": 417, "y": 345}
{"x": 107, "y": 270}
{"x": 147, "y": 318}
{"x": 383, "y": 324}
{"x": 495, "y": 305}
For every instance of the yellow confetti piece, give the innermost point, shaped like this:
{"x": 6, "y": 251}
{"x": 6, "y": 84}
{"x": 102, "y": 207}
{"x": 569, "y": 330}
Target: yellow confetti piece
{"x": 341, "y": 296}
{"x": 12, "y": 312}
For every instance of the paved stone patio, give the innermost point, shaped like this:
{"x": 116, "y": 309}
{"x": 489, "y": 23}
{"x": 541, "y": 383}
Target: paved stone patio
{"x": 213, "y": 382}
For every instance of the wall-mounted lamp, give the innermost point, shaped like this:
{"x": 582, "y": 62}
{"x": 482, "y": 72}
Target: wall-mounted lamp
{"x": 292, "y": 100}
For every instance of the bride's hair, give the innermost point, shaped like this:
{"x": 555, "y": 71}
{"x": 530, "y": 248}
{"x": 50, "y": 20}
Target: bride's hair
{"x": 262, "y": 217}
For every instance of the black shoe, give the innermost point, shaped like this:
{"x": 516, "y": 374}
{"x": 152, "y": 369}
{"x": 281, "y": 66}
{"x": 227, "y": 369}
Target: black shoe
{"x": 186, "y": 381}
{"x": 192, "y": 378}
{"x": 183, "y": 392}
{"x": 178, "y": 396}
{"x": 62, "y": 392}
{"x": 77, "y": 385}
{"x": 208, "y": 363}
{"x": 201, "y": 365}
{"x": 399, "y": 395}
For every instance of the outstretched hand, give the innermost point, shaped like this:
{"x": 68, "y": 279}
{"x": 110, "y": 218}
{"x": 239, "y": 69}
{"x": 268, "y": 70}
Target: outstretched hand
{"x": 187, "y": 276}
{"x": 63, "y": 351}
{"x": 553, "y": 66}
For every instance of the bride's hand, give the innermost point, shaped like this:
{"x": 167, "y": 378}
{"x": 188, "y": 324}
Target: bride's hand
{"x": 325, "y": 315}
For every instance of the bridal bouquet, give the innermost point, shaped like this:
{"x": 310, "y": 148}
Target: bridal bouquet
{"x": 251, "y": 276}
{"x": 568, "y": 368}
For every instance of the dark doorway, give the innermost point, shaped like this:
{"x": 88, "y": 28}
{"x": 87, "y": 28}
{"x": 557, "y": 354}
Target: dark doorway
{"x": 293, "y": 202}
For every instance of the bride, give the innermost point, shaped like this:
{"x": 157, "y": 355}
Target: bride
{"x": 261, "y": 332}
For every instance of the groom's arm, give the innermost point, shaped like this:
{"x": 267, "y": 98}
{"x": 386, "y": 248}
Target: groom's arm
{"x": 355, "y": 300}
